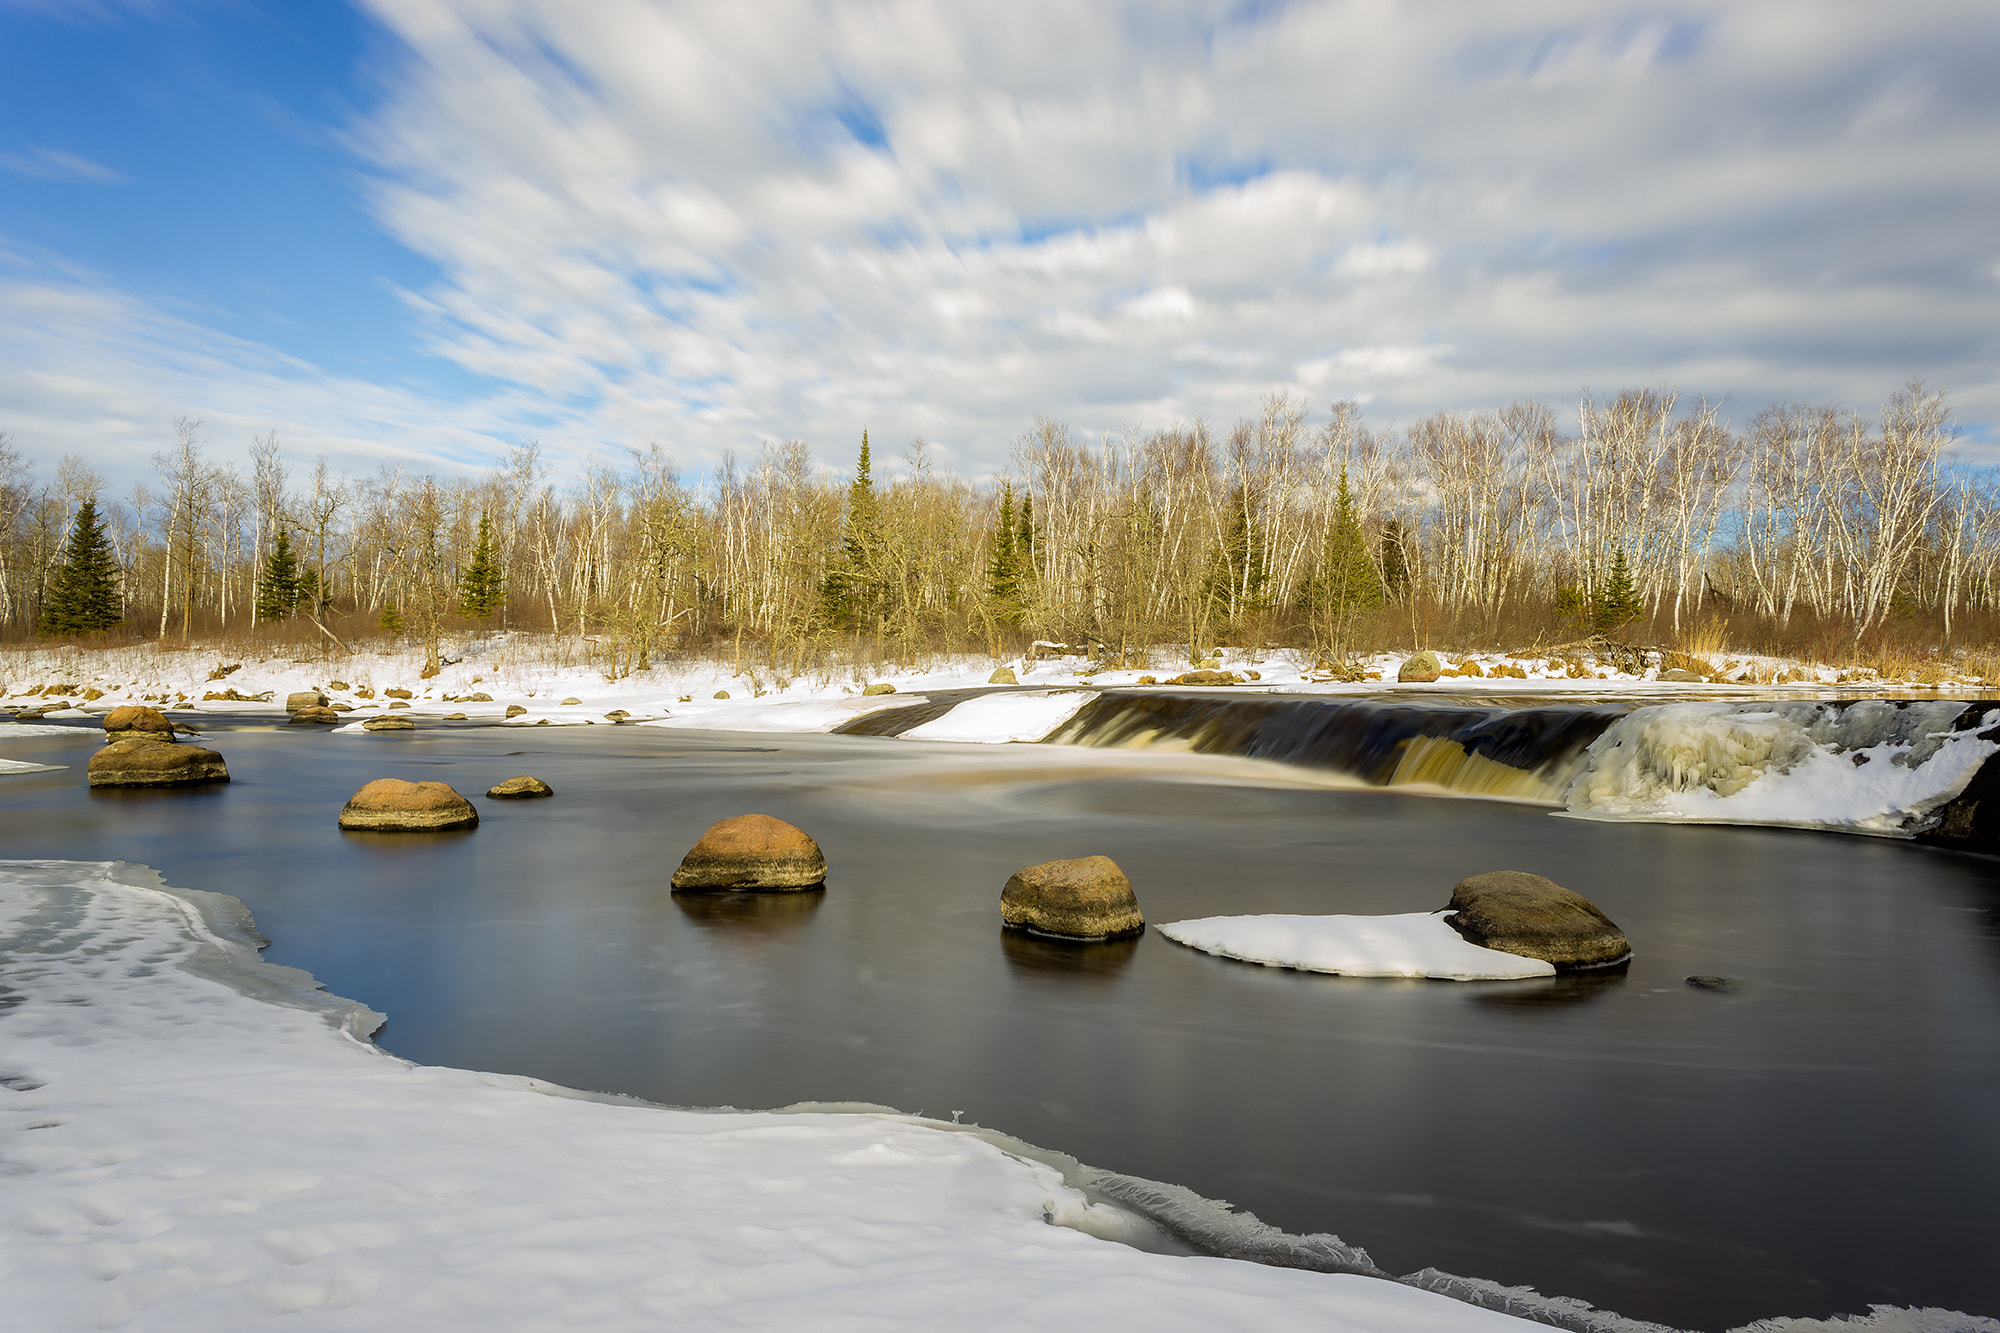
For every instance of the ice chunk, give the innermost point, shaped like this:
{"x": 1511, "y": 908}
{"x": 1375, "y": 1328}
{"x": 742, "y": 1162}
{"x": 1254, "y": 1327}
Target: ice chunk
{"x": 797, "y": 715}
{"x": 996, "y": 719}
{"x": 1412, "y": 944}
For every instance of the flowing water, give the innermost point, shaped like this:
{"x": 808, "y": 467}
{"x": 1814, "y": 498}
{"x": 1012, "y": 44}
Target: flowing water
{"x": 1812, "y": 1138}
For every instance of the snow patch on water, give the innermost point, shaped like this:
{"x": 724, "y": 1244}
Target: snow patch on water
{"x": 1870, "y": 767}
{"x": 1410, "y": 944}
{"x": 997, "y": 719}
{"x": 800, "y": 715}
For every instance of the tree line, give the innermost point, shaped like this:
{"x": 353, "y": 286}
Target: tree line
{"x": 1332, "y": 536}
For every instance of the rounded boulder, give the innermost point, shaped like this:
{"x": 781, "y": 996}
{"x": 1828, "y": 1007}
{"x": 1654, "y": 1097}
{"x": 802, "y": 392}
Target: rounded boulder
{"x": 388, "y": 724}
{"x": 1420, "y": 668}
{"x": 146, "y": 762}
{"x": 1533, "y": 917}
{"x": 752, "y": 852}
{"x": 300, "y": 699}
{"x": 391, "y": 805}
{"x": 1088, "y": 898}
{"x": 136, "y": 720}
{"x": 315, "y": 714}
{"x": 516, "y": 710}
{"x": 1002, "y": 676}
{"x": 520, "y": 789}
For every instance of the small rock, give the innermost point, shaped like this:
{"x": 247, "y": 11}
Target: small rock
{"x": 1420, "y": 668}
{"x": 1002, "y": 676}
{"x": 541, "y": 722}
{"x": 336, "y": 685}
{"x": 1253, "y": 675}
{"x": 572, "y": 700}
{"x": 616, "y": 715}
{"x": 393, "y": 805}
{"x": 123, "y": 722}
{"x": 92, "y": 695}
{"x": 305, "y": 716}
{"x": 143, "y": 761}
{"x": 879, "y": 687}
{"x": 303, "y": 699}
{"x": 399, "y": 703}
{"x": 722, "y": 694}
{"x": 388, "y": 724}
{"x": 479, "y": 698}
{"x": 1532, "y": 917}
{"x": 341, "y": 708}
{"x": 515, "y": 710}
{"x": 397, "y": 693}
{"x": 754, "y": 852}
{"x": 1088, "y": 898}
{"x": 1710, "y": 983}
{"x": 455, "y": 717}
{"x": 1147, "y": 680}
{"x": 519, "y": 789}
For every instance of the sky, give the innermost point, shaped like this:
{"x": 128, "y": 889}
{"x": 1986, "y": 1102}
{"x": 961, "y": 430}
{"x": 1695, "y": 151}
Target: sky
{"x": 415, "y": 232}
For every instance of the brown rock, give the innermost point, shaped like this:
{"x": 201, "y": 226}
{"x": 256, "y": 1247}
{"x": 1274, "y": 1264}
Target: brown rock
{"x": 304, "y": 699}
{"x": 1206, "y": 677}
{"x": 321, "y": 716}
{"x": 399, "y": 703}
{"x": 336, "y": 685}
{"x": 516, "y": 710}
{"x": 124, "y": 722}
{"x": 455, "y": 717}
{"x": 391, "y": 805}
{"x": 143, "y": 761}
{"x": 520, "y": 789}
{"x": 480, "y": 698}
{"x": 388, "y": 724}
{"x": 1002, "y": 676}
{"x": 879, "y": 687}
{"x": 572, "y": 700}
{"x": 722, "y": 694}
{"x": 1532, "y": 917}
{"x": 1088, "y": 898}
{"x": 1421, "y": 668}
{"x": 754, "y": 852}
{"x": 397, "y": 693}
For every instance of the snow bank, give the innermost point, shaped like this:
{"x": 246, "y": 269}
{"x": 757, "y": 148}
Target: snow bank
{"x": 1411, "y": 944}
{"x": 1871, "y": 767}
{"x": 199, "y": 1140}
{"x": 17, "y": 730}
{"x": 795, "y": 715}
{"x": 10, "y": 766}
{"x": 996, "y": 719}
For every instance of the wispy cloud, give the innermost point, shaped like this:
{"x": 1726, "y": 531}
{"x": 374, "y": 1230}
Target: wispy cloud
{"x": 53, "y": 164}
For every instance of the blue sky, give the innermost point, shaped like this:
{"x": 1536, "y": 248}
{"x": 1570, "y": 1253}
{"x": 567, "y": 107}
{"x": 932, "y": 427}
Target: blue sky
{"x": 417, "y": 231}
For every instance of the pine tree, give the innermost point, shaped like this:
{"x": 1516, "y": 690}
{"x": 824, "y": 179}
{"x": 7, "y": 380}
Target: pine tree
{"x": 482, "y": 589}
{"x": 1003, "y": 574}
{"x": 1349, "y": 587}
{"x": 1395, "y": 561}
{"x": 84, "y": 595}
{"x": 279, "y": 591}
{"x": 851, "y": 595}
{"x": 1617, "y": 603}
{"x": 392, "y": 619}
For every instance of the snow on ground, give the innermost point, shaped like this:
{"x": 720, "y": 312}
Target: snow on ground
{"x": 996, "y": 719}
{"x": 783, "y": 715}
{"x": 1868, "y": 768}
{"x": 1409, "y": 944}
{"x": 197, "y": 1140}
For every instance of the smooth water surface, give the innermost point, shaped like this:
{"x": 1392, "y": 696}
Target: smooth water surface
{"x": 1815, "y": 1138}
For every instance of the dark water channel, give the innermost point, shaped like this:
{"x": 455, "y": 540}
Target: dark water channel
{"x": 1818, "y": 1137}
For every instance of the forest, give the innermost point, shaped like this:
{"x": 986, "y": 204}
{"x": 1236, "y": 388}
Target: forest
{"x": 1814, "y": 531}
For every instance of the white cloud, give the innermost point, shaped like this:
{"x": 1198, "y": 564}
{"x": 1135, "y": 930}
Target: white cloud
{"x": 53, "y": 164}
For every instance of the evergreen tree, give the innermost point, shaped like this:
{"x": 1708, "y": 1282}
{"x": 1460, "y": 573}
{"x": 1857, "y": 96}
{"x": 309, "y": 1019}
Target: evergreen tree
{"x": 851, "y": 595}
{"x": 84, "y": 596}
{"x": 392, "y": 619}
{"x": 1003, "y": 574}
{"x": 1349, "y": 586}
{"x": 482, "y": 589}
{"x": 1617, "y": 602}
{"x": 279, "y": 591}
{"x": 1395, "y": 561}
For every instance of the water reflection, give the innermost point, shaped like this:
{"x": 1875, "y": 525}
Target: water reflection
{"x": 1036, "y": 956}
{"x": 755, "y": 913}
{"x": 1562, "y": 988}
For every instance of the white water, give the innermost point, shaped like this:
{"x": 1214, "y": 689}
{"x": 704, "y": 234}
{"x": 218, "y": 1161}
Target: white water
{"x": 1408, "y": 944}
{"x": 1871, "y": 767}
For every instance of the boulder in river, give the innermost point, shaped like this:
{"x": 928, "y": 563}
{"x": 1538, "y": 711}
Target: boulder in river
{"x": 1002, "y": 676}
{"x": 752, "y": 852}
{"x": 308, "y": 716}
{"x": 134, "y": 720}
{"x": 388, "y": 724}
{"x": 150, "y": 761}
{"x": 391, "y": 805}
{"x": 1088, "y": 898}
{"x": 520, "y": 789}
{"x": 1421, "y": 668}
{"x": 304, "y": 699}
{"x": 1533, "y": 917}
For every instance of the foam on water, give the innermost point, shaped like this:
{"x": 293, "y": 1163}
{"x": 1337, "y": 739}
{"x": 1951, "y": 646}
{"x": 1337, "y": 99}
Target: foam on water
{"x": 1868, "y": 767}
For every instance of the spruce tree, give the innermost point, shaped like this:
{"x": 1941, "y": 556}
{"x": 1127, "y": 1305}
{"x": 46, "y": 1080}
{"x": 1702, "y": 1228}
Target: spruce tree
{"x": 482, "y": 589}
{"x": 851, "y": 595}
{"x": 1617, "y": 602}
{"x": 391, "y": 619}
{"x": 279, "y": 591}
{"x": 83, "y": 596}
{"x": 1003, "y": 574}
{"x": 1395, "y": 561}
{"x": 1349, "y": 585}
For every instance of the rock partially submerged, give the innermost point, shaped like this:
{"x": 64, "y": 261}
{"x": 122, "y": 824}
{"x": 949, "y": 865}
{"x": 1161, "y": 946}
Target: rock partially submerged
{"x": 1088, "y": 898}
{"x": 315, "y": 715}
{"x": 752, "y": 852}
{"x": 520, "y": 789}
{"x": 299, "y": 700}
{"x": 391, "y": 805}
{"x": 130, "y": 720}
{"x": 1533, "y": 917}
{"x": 388, "y": 724}
{"x": 154, "y": 761}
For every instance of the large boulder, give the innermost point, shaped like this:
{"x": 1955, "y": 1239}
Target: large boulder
{"x": 1002, "y": 676}
{"x": 299, "y": 699}
{"x": 1206, "y": 676}
{"x": 1422, "y": 668}
{"x": 753, "y": 852}
{"x": 136, "y": 720}
{"x": 314, "y": 714}
{"x": 1088, "y": 898}
{"x": 1532, "y": 917}
{"x": 391, "y": 805}
{"x": 149, "y": 761}
{"x": 520, "y": 789}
